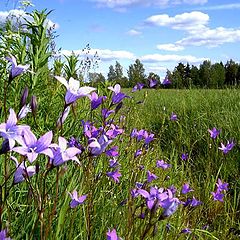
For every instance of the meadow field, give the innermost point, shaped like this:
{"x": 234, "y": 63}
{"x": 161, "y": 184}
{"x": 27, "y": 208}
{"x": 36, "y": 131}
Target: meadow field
{"x": 78, "y": 162}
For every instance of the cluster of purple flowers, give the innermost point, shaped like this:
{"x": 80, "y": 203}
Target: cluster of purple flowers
{"x": 218, "y": 195}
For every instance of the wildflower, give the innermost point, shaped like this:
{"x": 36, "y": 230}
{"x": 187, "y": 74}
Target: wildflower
{"x": 153, "y": 83}
{"x": 217, "y": 196}
{"x": 186, "y": 231}
{"x": 112, "y": 235}
{"x": 106, "y": 113}
{"x": 186, "y": 188}
{"x": 138, "y": 153}
{"x": 112, "y": 152}
{"x": 95, "y": 100}
{"x": 151, "y": 176}
{"x": 16, "y": 70}
{"x": 214, "y": 133}
{"x": 98, "y": 146}
{"x": 24, "y": 111}
{"x": 63, "y": 116}
{"x": 31, "y": 147}
{"x": 221, "y": 186}
{"x": 114, "y": 175}
{"x": 192, "y": 202}
{"x": 74, "y": 91}
{"x": 22, "y": 171}
{"x": 24, "y": 97}
{"x": 113, "y": 163}
{"x": 3, "y": 235}
{"x": 33, "y": 104}
{"x": 166, "y": 82}
{"x": 118, "y": 96}
{"x": 76, "y": 200}
{"x": 62, "y": 154}
{"x": 227, "y": 148}
{"x": 184, "y": 156}
{"x": 173, "y": 117}
{"x": 138, "y": 86}
{"x": 11, "y": 131}
{"x": 162, "y": 164}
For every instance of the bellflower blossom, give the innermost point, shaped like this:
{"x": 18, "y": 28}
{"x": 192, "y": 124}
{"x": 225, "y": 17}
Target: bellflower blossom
{"x": 98, "y": 146}
{"x": 162, "y": 164}
{"x": 138, "y": 86}
{"x": 151, "y": 176}
{"x": 153, "y": 83}
{"x": 76, "y": 200}
{"x": 114, "y": 175}
{"x": 22, "y": 171}
{"x": 96, "y": 101}
{"x": 31, "y": 147}
{"x": 62, "y": 154}
{"x": 166, "y": 82}
{"x": 16, "y": 70}
{"x": 74, "y": 91}
{"x": 186, "y": 188}
{"x": 3, "y": 235}
{"x": 214, "y": 133}
{"x": 118, "y": 96}
{"x": 218, "y": 195}
{"x": 227, "y": 148}
{"x": 11, "y": 131}
{"x": 112, "y": 235}
{"x": 173, "y": 117}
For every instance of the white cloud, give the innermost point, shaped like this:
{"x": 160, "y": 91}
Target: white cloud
{"x": 17, "y": 18}
{"x": 145, "y": 3}
{"x": 104, "y": 54}
{"x": 170, "y": 47}
{"x": 134, "y": 32}
{"x": 191, "y": 21}
{"x": 154, "y": 58}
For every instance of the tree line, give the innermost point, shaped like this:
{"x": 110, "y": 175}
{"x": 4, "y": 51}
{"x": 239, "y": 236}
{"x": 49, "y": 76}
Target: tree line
{"x": 184, "y": 76}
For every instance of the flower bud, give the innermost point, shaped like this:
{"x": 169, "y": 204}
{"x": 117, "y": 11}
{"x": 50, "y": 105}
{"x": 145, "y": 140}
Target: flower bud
{"x": 33, "y": 105}
{"x": 24, "y": 97}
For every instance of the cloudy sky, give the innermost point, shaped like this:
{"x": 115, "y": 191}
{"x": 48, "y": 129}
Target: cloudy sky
{"x": 160, "y": 33}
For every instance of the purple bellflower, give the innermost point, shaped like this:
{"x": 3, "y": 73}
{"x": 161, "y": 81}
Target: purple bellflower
{"x": 151, "y": 176}
{"x": 221, "y": 186}
{"x": 173, "y": 117}
{"x": 74, "y": 91}
{"x": 62, "y": 154}
{"x": 96, "y": 101}
{"x": 166, "y": 82}
{"x": 114, "y": 175}
{"x": 22, "y": 171}
{"x": 98, "y": 146}
{"x": 186, "y": 188}
{"x": 76, "y": 200}
{"x": 16, "y": 70}
{"x": 24, "y": 111}
{"x": 184, "y": 156}
{"x": 217, "y": 196}
{"x": 162, "y": 164}
{"x": 153, "y": 83}
{"x": 11, "y": 131}
{"x": 118, "y": 96}
{"x": 227, "y": 148}
{"x": 138, "y": 86}
{"x": 3, "y": 235}
{"x": 112, "y": 235}
{"x": 31, "y": 147}
{"x": 214, "y": 133}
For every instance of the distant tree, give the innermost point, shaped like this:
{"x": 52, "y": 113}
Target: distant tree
{"x": 136, "y": 73}
{"x": 96, "y": 78}
{"x": 205, "y": 74}
{"x": 111, "y": 74}
{"x": 118, "y": 71}
{"x": 217, "y": 75}
{"x": 238, "y": 75}
{"x": 194, "y": 76}
{"x": 231, "y": 69}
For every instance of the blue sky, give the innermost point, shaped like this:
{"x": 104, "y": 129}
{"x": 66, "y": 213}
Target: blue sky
{"x": 160, "y": 33}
